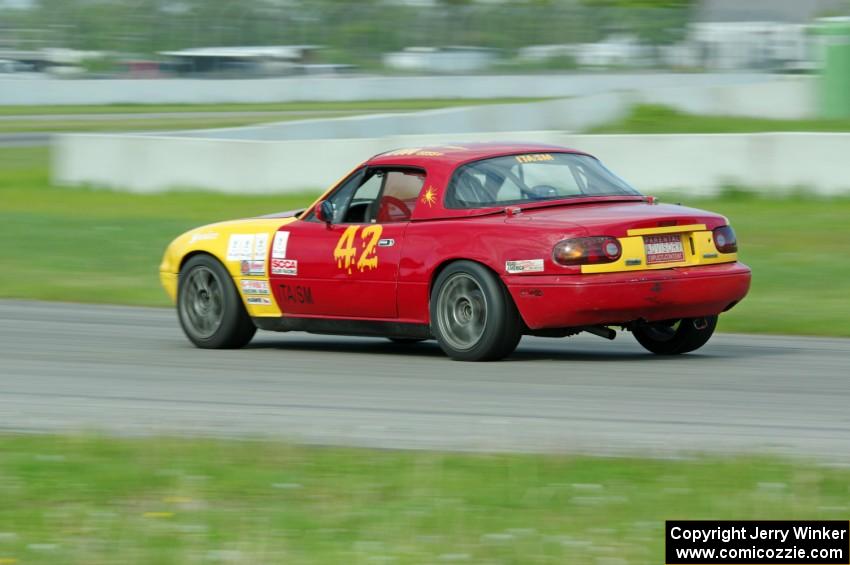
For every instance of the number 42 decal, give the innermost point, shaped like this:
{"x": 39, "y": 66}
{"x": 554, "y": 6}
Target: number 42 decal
{"x": 345, "y": 251}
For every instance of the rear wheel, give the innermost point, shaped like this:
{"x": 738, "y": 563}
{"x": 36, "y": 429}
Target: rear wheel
{"x": 472, "y": 315}
{"x": 672, "y": 337}
{"x": 210, "y": 310}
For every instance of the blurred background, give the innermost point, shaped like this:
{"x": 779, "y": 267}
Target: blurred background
{"x": 132, "y": 38}
{"x": 124, "y": 123}
{"x": 400, "y": 70}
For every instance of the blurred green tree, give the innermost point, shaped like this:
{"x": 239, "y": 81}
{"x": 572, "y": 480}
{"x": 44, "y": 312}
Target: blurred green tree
{"x": 351, "y": 32}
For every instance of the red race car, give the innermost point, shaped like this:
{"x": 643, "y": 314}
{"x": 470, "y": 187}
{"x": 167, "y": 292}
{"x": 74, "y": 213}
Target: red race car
{"x": 474, "y": 246}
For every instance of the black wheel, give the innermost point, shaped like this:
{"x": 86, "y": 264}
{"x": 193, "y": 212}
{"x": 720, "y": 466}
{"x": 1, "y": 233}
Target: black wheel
{"x": 472, "y": 315}
{"x": 405, "y": 340}
{"x": 209, "y": 308}
{"x": 673, "y": 337}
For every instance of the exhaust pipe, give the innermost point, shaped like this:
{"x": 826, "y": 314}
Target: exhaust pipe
{"x": 601, "y": 331}
{"x": 700, "y": 323}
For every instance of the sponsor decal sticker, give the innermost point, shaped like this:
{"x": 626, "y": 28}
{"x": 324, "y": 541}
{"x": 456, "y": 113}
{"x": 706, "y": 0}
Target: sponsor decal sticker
{"x": 252, "y": 286}
{"x": 294, "y": 294}
{"x": 203, "y": 236}
{"x": 284, "y": 267}
{"x": 413, "y": 151}
{"x": 259, "y": 300}
{"x": 261, "y": 241}
{"x": 248, "y": 246}
{"x": 524, "y": 266}
{"x": 534, "y": 158}
{"x": 255, "y": 267}
{"x": 281, "y": 239}
{"x": 240, "y": 246}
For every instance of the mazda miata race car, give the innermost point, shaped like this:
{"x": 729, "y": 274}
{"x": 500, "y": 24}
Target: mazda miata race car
{"x": 474, "y": 246}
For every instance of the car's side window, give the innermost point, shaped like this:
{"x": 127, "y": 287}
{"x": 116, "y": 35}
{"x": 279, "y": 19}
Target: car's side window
{"x": 351, "y": 200}
{"x": 377, "y": 195}
{"x": 399, "y": 196}
{"x": 361, "y": 203}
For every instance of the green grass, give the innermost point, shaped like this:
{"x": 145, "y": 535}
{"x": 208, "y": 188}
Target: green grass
{"x": 362, "y": 105}
{"x": 100, "y": 246}
{"x": 662, "y": 119}
{"x": 796, "y": 247}
{"x": 85, "y": 499}
{"x": 95, "y": 245}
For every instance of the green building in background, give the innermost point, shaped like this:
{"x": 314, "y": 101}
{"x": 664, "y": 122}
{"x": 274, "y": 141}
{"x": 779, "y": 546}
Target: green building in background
{"x": 835, "y": 77}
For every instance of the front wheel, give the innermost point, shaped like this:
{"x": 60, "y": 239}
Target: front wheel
{"x": 672, "y": 337}
{"x": 472, "y": 315}
{"x": 211, "y": 313}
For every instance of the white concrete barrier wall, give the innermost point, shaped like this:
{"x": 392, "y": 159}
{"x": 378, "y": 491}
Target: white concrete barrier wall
{"x": 788, "y": 98}
{"x": 313, "y": 153}
{"x": 704, "y": 163}
{"x": 653, "y": 163}
{"x": 153, "y": 164}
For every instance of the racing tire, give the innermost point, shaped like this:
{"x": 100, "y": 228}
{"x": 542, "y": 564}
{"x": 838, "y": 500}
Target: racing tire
{"x": 674, "y": 337}
{"x": 210, "y": 309}
{"x": 473, "y": 317}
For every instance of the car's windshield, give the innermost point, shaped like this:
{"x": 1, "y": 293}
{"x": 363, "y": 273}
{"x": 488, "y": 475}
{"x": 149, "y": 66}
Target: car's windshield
{"x": 532, "y": 177}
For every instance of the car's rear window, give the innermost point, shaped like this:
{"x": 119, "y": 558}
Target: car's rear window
{"x": 532, "y": 177}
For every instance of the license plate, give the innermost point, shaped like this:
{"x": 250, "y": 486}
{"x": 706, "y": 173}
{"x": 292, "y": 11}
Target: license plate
{"x": 663, "y": 249}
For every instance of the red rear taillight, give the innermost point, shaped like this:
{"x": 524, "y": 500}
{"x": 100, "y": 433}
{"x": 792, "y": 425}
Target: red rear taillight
{"x": 725, "y": 240}
{"x": 586, "y": 250}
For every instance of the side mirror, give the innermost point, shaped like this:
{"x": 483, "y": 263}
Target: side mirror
{"x": 325, "y": 211}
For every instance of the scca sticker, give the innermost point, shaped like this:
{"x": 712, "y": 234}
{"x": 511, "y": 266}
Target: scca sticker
{"x": 284, "y": 267}
{"x": 345, "y": 251}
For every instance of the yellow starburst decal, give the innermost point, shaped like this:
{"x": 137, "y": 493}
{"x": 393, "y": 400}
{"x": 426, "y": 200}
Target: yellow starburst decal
{"x": 430, "y": 196}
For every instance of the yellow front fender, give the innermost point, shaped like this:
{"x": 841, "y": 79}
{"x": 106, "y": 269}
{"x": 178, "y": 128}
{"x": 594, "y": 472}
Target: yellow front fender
{"x": 232, "y": 243}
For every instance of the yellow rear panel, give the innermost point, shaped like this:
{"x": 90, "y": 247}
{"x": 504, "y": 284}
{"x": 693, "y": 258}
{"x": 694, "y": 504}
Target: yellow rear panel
{"x": 697, "y": 245}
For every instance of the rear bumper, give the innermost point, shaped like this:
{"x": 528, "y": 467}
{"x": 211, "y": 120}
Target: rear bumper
{"x": 615, "y": 298}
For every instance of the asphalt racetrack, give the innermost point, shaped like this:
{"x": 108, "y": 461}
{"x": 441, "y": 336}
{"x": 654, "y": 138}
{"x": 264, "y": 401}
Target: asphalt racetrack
{"x": 124, "y": 370}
